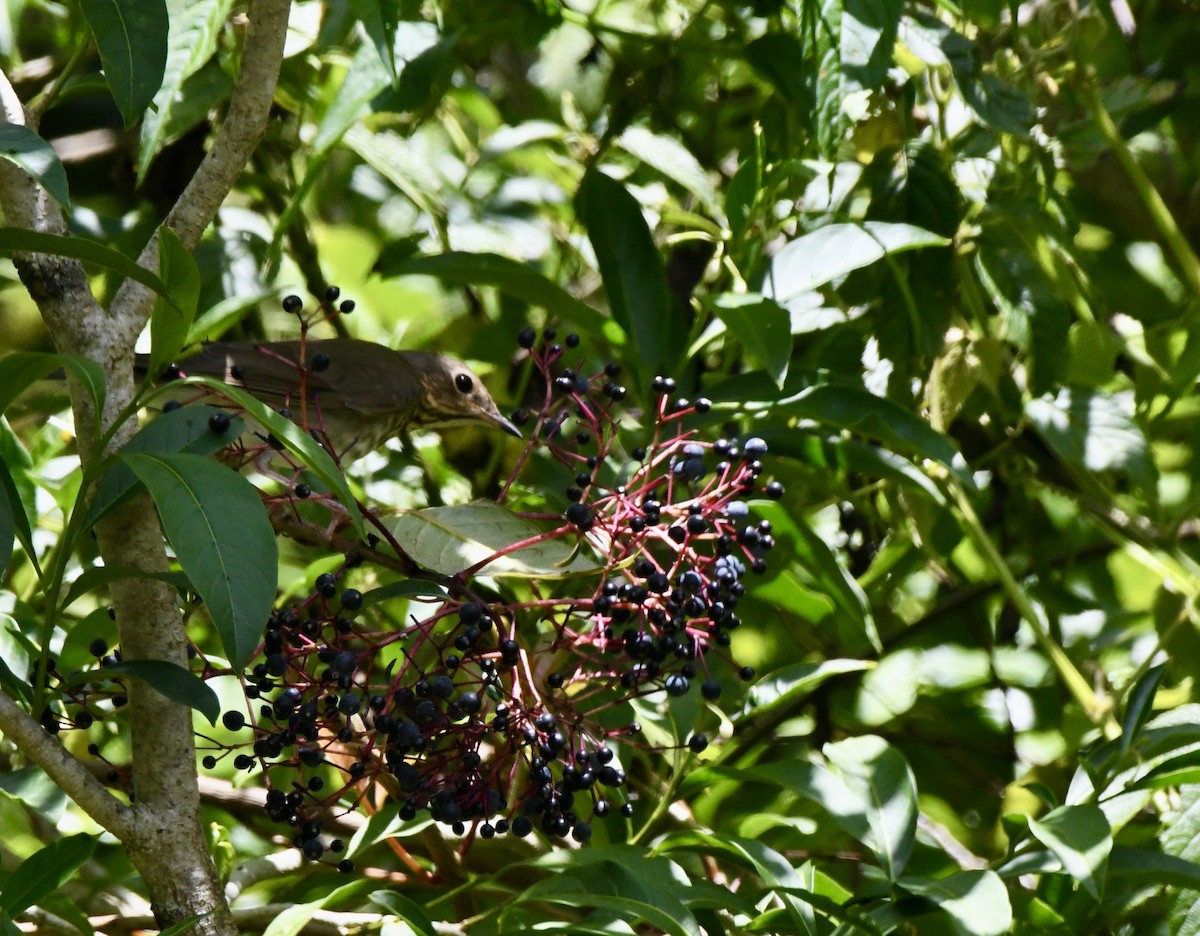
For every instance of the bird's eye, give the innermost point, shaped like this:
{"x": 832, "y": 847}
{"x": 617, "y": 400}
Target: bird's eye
{"x": 463, "y": 383}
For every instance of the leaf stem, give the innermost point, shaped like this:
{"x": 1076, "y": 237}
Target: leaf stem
{"x": 1189, "y": 264}
{"x": 1097, "y": 710}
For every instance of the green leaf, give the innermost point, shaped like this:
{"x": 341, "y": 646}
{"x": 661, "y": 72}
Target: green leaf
{"x": 1080, "y": 837}
{"x": 218, "y": 528}
{"x": 1094, "y": 431}
{"x": 44, "y": 872}
{"x": 773, "y": 868}
{"x": 294, "y": 919}
{"x": 17, "y": 658}
{"x": 1176, "y": 864}
{"x": 14, "y": 520}
{"x": 186, "y": 925}
{"x": 762, "y": 327}
{"x": 24, "y": 148}
{"x": 296, "y": 440}
{"x": 195, "y": 27}
{"x": 821, "y": 24}
{"x": 131, "y": 36}
{"x": 871, "y": 794}
{"x": 404, "y": 908}
{"x": 10, "y": 509}
{"x": 1151, "y": 867}
{"x": 820, "y": 565}
{"x": 173, "y": 681}
{"x": 406, "y": 588}
{"x": 869, "y": 29}
{"x": 367, "y": 77}
{"x": 784, "y": 687}
{"x": 857, "y": 410}
{"x": 1172, "y": 772}
{"x": 378, "y": 19}
{"x": 880, "y": 776}
{"x": 1139, "y": 705}
{"x": 633, "y": 274}
{"x": 170, "y": 322}
{"x": 19, "y": 240}
{"x": 450, "y": 540}
{"x": 830, "y": 252}
{"x": 183, "y": 429}
{"x": 509, "y": 276}
{"x": 976, "y": 901}
{"x": 22, "y": 368}
{"x": 676, "y": 162}
{"x": 101, "y": 576}
{"x": 570, "y": 891}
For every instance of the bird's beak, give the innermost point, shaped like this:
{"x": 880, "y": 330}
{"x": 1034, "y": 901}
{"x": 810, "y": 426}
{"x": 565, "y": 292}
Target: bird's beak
{"x": 492, "y": 415}
{"x": 505, "y": 424}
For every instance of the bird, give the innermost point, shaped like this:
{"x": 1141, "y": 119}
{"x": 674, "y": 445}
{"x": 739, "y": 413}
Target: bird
{"x": 357, "y": 394}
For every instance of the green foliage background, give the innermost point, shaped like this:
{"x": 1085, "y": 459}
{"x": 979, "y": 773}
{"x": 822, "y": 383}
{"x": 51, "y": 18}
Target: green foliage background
{"x": 940, "y": 257}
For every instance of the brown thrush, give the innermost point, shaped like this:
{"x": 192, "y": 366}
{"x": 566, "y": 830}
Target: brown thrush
{"x": 358, "y": 394}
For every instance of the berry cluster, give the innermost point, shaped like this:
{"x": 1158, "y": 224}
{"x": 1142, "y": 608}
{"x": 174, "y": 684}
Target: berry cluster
{"x": 501, "y": 717}
{"x": 504, "y": 714}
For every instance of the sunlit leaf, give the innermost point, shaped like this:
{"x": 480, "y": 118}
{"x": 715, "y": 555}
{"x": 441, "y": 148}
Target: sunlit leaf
{"x": 1080, "y": 837}
{"x": 24, "y": 148}
{"x": 453, "y": 539}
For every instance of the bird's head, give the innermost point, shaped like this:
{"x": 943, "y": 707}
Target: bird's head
{"x": 453, "y": 395}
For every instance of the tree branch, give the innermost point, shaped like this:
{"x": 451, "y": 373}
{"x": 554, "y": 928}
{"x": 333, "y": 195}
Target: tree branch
{"x": 68, "y": 774}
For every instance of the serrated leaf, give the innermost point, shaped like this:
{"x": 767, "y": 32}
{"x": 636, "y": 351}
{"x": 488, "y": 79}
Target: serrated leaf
{"x": 450, "y": 540}
{"x": 367, "y": 77}
{"x": 762, "y": 327}
{"x": 404, "y": 908}
{"x": 173, "y": 681}
{"x": 293, "y": 920}
{"x": 170, "y": 322}
{"x": 1081, "y": 838}
{"x": 829, "y": 575}
{"x": 1139, "y": 705}
{"x": 24, "y": 148}
{"x": 570, "y": 891}
{"x": 868, "y": 38}
{"x": 976, "y": 901}
{"x": 783, "y": 687}
{"x": 509, "y": 276}
{"x": 831, "y": 252}
{"x": 218, "y": 528}
{"x": 378, "y": 19}
{"x": 1094, "y": 431}
{"x": 875, "y": 417}
{"x": 773, "y": 868}
{"x": 676, "y": 162}
{"x": 635, "y": 279}
{"x": 880, "y": 776}
{"x": 131, "y": 36}
{"x": 44, "y": 872}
